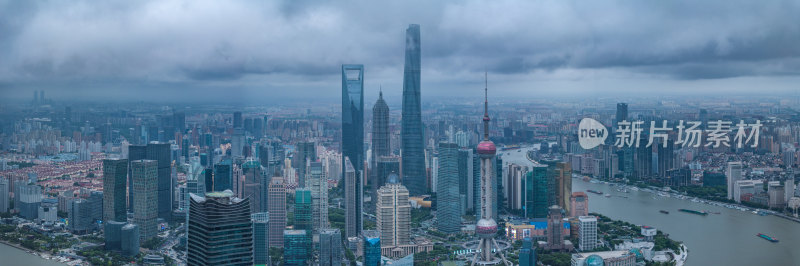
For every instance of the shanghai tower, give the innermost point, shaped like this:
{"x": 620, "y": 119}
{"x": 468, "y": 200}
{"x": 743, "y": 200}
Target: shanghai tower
{"x": 412, "y": 136}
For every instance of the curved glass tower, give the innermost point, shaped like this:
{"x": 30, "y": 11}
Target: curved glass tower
{"x": 412, "y": 134}
{"x": 220, "y": 231}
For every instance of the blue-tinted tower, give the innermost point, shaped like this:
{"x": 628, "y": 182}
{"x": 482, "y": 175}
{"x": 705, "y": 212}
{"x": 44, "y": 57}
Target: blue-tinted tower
{"x": 448, "y": 199}
{"x": 372, "y": 248}
{"x": 412, "y": 135}
{"x": 353, "y": 126}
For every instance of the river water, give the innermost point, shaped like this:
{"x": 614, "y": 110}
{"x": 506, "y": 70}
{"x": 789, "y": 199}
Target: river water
{"x": 728, "y": 238}
{"x": 13, "y": 256}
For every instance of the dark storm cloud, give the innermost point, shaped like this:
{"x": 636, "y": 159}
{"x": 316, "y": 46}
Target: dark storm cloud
{"x": 275, "y": 45}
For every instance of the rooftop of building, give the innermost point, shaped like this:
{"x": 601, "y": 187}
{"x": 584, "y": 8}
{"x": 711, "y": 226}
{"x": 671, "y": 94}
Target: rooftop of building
{"x": 604, "y": 254}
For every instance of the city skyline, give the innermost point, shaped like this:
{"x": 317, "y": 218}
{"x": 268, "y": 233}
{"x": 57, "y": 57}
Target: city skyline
{"x": 265, "y": 154}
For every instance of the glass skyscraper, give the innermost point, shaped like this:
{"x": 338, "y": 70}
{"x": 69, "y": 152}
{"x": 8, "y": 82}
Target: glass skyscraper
{"x": 302, "y": 212}
{"x": 465, "y": 179}
{"x": 223, "y": 176}
{"x": 448, "y": 199}
{"x": 255, "y": 185}
{"x": 304, "y": 151}
{"x": 135, "y": 152}
{"x": 260, "y": 238}
{"x": 413, "y": 152}
{"x": 353, "y": 138}
{"x": 220, "y": 230}
{"x": 626, "y": 155}
{"x": 539, "y": 192}
{"x": 115, "y": 173}
{"x": 330, "y": 247}
{"x": 372, "y": 248}
{"x": 145, "y": 208}
{"x": 295, "y": 251}
{"x": 160, "y": 152}
{"x": 527, "y": 255}
{"x": 352, "y": 197}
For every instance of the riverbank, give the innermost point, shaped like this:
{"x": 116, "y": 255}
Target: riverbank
{"x": 681, "y": 196}
{"x": 14, "y": 254}
{"x": 726, "y": 236}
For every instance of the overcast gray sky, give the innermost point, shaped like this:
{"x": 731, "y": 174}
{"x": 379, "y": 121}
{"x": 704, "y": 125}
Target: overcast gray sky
{"x": 253, "y": 50}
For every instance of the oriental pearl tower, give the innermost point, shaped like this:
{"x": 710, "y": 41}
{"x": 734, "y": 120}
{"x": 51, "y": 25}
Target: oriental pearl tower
{"x": 487, "y": 227}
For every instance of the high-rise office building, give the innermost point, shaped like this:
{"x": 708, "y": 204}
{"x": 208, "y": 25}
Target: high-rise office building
{"x": 237, "y": 142}
{"x": 330, "y": 247}
{"x": 579, "y": 204}
{"x": 295, "y": 251}
{"x": 587, "y": 233}
{"x": 319, "y": 196}
{"x": 145, "y": 195}
{"x": 372, "y": 248}
{"x": 223, "y": 176}
{"x": 160, "y": 152}
{"x": 112, "y": 234}
{"x": 380, "y": 132}
{"x": 622, "y": 113}
{"x": 260, "y": 238}
{"x": 254, "y": 175}
{"x": 643, "y": 160}
{"x": 80, "y": 217}
{"x": 115, "y": 173}
{"x": 4, "y": 192}
{"x": 385, "y": 166}
{"x": 412, "y": 134}
{"x": 129, "y": 240}
{"x": 448, "y": 199}
{"x": 466, "y": 188}
{"x": 263, "y": 155}
{"x": 353, "y": 143}
{"x": 195, "y": 181}
{"x": 555, "y": 228}
{"x": 304, "y": 152}
{"x": 302, "y": 209}
{"x": 179, "y": 118}
{"x": 393, "y": 213}
{"x": 135, "y": 152}
{"x": 527, "y": 255}
{"x": 352, "y": 196}
{"x": 562, "y": 173}
{"x": 733, "y": 173}
{"x": 666, "y": 158}
{"x": 539, "y": 191}
{"x": 220, "y": 231}
{"x": 96, "y": 200}
{"x": 28, "y": 198}
{"x": 237, "y": 120}
{"x": 626, "y": 154}
{"x": 277, "y": 211}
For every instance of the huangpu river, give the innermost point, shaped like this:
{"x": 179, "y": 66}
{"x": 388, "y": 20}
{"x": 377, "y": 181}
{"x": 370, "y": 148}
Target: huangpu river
{"x": 13, "y": 256}
{"x": 727, "y": 238}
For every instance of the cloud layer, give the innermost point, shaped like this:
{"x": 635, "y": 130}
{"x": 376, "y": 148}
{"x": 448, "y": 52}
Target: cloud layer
{"x": 286, "y": 49}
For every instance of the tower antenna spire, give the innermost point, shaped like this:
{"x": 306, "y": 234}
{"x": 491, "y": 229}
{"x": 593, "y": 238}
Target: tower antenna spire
{"x": 486, "y": 107}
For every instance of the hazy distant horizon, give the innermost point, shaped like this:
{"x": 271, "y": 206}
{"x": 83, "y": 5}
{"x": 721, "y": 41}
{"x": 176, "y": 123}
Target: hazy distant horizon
{"x": 166, "y": 51}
